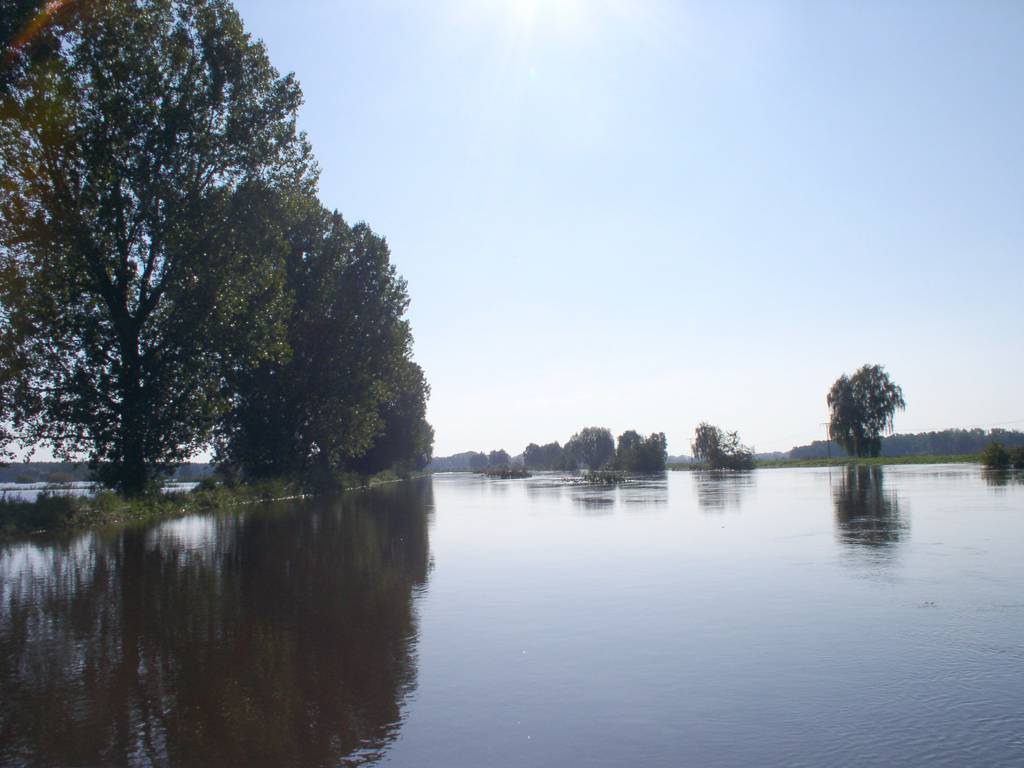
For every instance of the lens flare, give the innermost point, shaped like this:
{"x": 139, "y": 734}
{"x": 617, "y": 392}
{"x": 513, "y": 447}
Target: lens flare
{"x": 36, "y": 25}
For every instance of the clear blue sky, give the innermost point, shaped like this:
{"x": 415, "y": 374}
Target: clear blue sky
{"x": 642, "y": 214}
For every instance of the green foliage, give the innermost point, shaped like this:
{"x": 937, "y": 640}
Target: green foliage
{"x": 499, "y": 459}
{"x": 867, "y": 461}
{"x": 48, "y": 512}
{"x": 946, "y": 442}
{"x": 64, "y": 512}
{"x": 604, "y": 477}
{"x": 405, "y": 440}
{"x": 862, "y": 408}
{"x": 348, "y": 397}
{"x": 721, "y": 450}
{"x": 505, "y": 472}
{"x": 591, "y": 447}
{"x": 995, "y": 456}
{"x": 138, "y": 159}
{"x": 1017, "y": 457}
{"x": 544, "y": 457}
{"x": 636, "y": 453}
{"x": 166, "y": 268}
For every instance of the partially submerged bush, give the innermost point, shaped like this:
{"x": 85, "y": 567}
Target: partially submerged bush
{"x": 721, "y": 450}
{"x": 995, "y": 456}
{"x": 46, "y": 512}
{"x": 1017, "y": 457}
{"x": 505, "y": 473}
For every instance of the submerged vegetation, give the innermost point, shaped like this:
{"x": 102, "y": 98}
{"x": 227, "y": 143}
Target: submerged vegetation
{"x": 169, "y": 280}
{"x": 996, "y": 456}
{"x": 721, "y": 450}
{"x": 505, "y": 473}
{"x": 53, "y": 510}
{"x": 604, "y": 477}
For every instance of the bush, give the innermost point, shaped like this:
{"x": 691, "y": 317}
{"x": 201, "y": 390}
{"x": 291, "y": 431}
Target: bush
{"x": 1017, "y": 457}
{"x": 721, "y": 450}
{"x": 995, "y": 456}
{"x": 45, "y": 513}
{"x": 208, "y": 483}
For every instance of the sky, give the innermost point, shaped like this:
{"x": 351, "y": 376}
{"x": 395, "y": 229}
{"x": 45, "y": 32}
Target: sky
{"x": 644, "y": 214}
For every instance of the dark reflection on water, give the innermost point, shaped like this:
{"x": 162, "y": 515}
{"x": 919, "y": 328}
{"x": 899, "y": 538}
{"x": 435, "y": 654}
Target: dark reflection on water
{"x": 275, "y": 637}
{"x": 720, "y": 490}
{"x": 638, "y": 491}
{"x": 595, "y": 502}
{"x": 1000, "y": 478}
{"x": 644, "y": 490}
{"x": 866, "y": 512}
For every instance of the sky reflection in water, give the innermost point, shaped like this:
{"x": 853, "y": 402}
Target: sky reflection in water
{"x": 779, "y": 617}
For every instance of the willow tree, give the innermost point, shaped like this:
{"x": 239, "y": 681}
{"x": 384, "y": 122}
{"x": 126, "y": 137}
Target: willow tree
{"x": 591, "y": 447}
{"x": 137, "y": 158}
{"x": 862, "y": 408}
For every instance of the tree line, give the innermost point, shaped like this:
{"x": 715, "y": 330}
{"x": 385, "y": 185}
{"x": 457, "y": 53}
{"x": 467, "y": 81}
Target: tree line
{"x": 594, "y": 448}
{"x": 946, "y": 442}
{"x": 591, "y": 448}
{"x": 169, "y": 279}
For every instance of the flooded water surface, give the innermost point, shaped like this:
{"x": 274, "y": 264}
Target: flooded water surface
{"x": 798, "y": 617}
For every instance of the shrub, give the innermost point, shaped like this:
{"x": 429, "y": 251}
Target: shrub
{"x": 44, "y": 513}
{"x": 1017, "y": 457}
{"x": 995, "y": 456}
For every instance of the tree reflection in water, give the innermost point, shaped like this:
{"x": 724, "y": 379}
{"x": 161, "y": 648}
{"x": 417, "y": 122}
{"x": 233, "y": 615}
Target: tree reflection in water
{"x": 866, "y": 513}
{"x": 720, "y": 490}
{"x": 278, "y": 636}
{"x": 1000, "y": 478}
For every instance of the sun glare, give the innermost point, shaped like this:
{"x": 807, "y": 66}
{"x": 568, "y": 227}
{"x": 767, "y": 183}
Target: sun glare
{"x": 530, "y": 13}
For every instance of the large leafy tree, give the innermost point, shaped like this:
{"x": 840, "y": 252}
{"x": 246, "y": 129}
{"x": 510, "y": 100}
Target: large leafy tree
{"x": 547, "y": 456}
{"x": 138, "y": 154}
{"x": 635, "y": 453}
{"x": 405, "y": 440}
{"x": 861, "y": 408}
{"x": 591, "y": 447}
{"x": 349, "y": 396}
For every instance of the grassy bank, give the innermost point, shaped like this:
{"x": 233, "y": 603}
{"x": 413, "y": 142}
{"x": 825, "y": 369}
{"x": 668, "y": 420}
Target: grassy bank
{"x": 844, "y": 461}
{"x": 62, "y": 513}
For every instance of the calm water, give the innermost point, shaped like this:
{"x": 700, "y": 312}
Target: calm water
{"x": 787, "y": 617}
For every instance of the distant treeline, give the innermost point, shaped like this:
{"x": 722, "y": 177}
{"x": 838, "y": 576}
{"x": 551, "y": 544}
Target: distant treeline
{"x": 65, "y": 472}
{"x": 591, "y": 448}
{"x": 948, "y": 442}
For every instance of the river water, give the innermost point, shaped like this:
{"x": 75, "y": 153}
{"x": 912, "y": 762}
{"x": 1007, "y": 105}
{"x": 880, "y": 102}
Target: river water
{"x": 798, "y": 617}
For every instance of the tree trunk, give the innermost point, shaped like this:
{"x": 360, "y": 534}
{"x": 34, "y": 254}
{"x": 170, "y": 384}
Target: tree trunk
{"x": 131, "y": 475}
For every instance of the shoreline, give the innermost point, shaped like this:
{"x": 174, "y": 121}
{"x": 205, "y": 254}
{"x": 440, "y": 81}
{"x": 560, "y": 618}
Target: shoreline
{"x": 48, "y": 514}
{"x": 865, "y": 461}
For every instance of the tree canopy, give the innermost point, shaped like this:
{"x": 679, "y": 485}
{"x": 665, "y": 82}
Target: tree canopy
{"x": 720, "y": 449}
{"x": 136, "y": 266}
{"x": 635, "y": 453}
{"x": 591, "y": 447}
{"x": 166, "y": 270}
{"x": 348, "y": 396}
{"x": 861, "y": 408}
{"x": 548, "y": 456}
